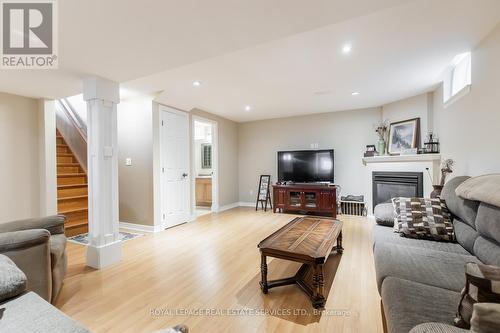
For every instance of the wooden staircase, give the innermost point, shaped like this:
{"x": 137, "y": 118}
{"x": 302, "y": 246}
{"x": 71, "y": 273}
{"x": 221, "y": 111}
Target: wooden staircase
{"x": 72, "y": 192}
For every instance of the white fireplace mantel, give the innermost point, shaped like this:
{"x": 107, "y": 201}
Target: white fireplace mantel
{"x": 402, "y": 158}
{"x": 428, "y": 164}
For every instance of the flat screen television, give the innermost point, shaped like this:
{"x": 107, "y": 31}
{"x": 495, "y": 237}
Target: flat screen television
{"x": 306, "y": 166}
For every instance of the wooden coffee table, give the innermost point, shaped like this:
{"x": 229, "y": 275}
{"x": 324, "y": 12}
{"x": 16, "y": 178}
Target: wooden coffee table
{"x": 308, "y": 240}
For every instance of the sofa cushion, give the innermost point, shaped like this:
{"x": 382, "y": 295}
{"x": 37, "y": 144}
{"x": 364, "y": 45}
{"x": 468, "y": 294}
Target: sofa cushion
{"x": 423, "y": 218}
{"x": 437, "y": 328}
{"x": 465, "y": 209}
{"x": 465, "y": 234}
{"x": 384, "y": 214}
{"x": 482, "y": 188}
{"x": 42, "y": 316}
{"x": 434, "y": 268}
{"x": 408, "y": 304}
{"x": 487, "y": 251}
{"x": 387, "y": 235}
{"x": 482, "y": 286}
{"x": 12, "y": 279}
{"x": 488, "y": 222}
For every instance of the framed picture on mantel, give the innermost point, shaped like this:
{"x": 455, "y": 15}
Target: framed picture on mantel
{"x": 404, "y": 135}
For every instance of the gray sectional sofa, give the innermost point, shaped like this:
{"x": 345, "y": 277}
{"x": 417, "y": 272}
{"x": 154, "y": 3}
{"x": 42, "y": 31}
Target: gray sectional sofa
{"x": 38, "y": 247}
{"x": 420, "y": 280}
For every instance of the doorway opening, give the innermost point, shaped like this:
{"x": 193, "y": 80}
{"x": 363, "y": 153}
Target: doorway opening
{"x": 204, "y": 149}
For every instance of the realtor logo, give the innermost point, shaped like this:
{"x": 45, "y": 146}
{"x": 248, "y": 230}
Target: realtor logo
{"x": 28, "y": 34}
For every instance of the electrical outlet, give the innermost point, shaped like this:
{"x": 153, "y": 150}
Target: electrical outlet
{"x": 314, "y": 145}
{"x": 128, "y": 161}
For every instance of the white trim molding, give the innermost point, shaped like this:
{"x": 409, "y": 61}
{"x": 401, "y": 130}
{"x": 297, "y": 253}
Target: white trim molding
{"x": 228, "y": 207}
{"x": 236, "y": 205}
{"x": 141, "y": 227}
{"x": 402, "y": 158}
{"x": 246, "y": 204}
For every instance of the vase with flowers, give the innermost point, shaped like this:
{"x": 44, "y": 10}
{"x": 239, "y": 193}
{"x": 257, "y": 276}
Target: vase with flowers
{"x": 382, "y": 130}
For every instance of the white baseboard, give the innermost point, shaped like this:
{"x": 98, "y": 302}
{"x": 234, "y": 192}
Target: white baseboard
{"x": 227, "y": 207}
{"x": 246, "y": 204}
{"x": 141, "y": 227}
{"x": 235, "y": 205}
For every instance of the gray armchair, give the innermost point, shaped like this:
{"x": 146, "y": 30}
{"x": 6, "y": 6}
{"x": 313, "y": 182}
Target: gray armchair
{"x": 38, "y": 248}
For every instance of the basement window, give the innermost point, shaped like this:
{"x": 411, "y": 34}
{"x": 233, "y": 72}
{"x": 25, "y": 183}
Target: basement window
{"x": 457, "y": 81}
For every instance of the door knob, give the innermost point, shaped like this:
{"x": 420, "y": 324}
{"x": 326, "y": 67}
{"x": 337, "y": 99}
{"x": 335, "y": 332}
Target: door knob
{"x": 184, "y": 175}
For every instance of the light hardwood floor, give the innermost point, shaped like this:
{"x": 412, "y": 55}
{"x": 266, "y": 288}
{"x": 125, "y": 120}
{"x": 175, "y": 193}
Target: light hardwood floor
{"x": 213, "y": 263}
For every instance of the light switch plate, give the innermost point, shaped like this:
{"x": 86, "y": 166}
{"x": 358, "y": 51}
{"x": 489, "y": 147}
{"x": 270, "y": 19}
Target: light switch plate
{"x": 108, "y": 151}
{"x": 128, "y": 161}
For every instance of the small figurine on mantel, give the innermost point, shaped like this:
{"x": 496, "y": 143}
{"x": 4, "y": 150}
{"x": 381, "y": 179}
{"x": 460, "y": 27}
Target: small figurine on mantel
{"x": 446, "y": 169}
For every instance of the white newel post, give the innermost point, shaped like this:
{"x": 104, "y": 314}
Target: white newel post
{"x": 102, "y": 97}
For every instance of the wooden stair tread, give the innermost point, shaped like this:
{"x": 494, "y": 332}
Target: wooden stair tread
{"x": 64, "y": 154}
{"x": 71, "y": 175}
{"x": 71, "y": 185}
{"x": 72, "y": 210}
{"x": 73, "y": 197}
{"x": 74, "y": 224}
{"x": 68, "y": 164}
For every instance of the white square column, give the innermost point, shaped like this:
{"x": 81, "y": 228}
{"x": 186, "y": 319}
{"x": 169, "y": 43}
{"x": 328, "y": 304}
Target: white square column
{"x": 102, "y": 97}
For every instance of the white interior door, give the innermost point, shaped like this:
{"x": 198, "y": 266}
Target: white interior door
{"x": 175, "y": 167}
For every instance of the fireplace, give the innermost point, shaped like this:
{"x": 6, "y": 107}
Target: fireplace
{"x": 388, "y": 185}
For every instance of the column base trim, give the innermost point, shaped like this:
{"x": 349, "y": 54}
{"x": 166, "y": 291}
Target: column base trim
{"x": 103, "y": 256}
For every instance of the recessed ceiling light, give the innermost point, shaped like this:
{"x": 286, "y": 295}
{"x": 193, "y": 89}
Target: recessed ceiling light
{"x": 196, "y": 83}
{"x": 346, "y": 48}
{"x": 355, "y": 93}
{"x": 247, "y": 108}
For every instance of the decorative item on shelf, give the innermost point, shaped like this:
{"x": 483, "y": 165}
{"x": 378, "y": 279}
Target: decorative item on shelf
{"x": 446, "y": 168}
{"x": 264, "y": 194}
{"x": 404, "y": 135}
{"x": 409, "y": 151}
{"x": 370, "y": 151}
{"x": 436, "y": 191}
{"x": 431, "y": 146}
{"x": 382, "y": 130}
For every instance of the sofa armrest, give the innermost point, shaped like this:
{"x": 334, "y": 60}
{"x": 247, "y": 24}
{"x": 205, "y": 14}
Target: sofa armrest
{"x": 437, "y": 328}
{"x": 54, "y": 224}
{"x": 30, "y": 251}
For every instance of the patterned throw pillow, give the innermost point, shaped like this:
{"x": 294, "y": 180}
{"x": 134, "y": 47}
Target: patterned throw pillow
{"x": 423, "y": 218}
{"x": 482, "y": 285}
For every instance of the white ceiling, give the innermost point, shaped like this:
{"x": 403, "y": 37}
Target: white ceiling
{"x": 272, "y": 55}
{"x": 127, "y": 39}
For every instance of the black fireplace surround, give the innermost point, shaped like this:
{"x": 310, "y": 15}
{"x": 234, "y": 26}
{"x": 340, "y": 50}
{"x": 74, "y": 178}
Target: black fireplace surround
{"x": 388, "y": 185}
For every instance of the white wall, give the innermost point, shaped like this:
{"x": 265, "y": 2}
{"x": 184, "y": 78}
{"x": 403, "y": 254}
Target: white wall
{"x": 347, "y": 132}
{"x": 469, "y": 129}
{"x": 419, "y": 106}
{"x": 19, "y": 154}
